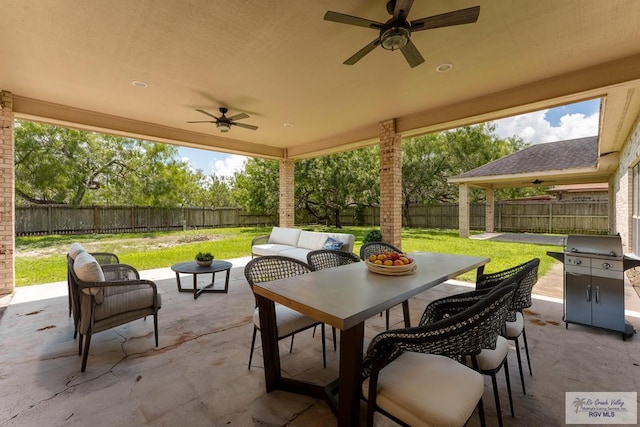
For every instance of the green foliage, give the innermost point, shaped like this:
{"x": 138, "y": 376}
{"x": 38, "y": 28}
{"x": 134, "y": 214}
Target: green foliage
{"x": 204, "y": 256}
{"x": 256, "y": 189}
{"x": 372, "y": 236}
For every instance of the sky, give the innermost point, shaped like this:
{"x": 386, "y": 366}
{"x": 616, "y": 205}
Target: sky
{"x": 556, "y": 124}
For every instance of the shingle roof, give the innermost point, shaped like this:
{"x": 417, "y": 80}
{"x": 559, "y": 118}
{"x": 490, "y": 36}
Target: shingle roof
{"x": 569, "y": 154}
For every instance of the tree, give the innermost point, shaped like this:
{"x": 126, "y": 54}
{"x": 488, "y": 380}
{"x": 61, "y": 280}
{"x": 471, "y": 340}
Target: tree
{"x": 256, "y": 188}
{"x": 328, "y": 185}
{"x": 57, "y": 165}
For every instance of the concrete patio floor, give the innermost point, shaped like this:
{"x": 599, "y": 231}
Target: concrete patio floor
{"x": 198, "y": 375}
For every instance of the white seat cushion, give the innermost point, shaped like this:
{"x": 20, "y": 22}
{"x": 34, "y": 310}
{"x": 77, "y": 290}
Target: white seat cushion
{"x": 488, "y": 359}
{"x": 428, "y": 390}
{"x": 297, "y": 253}
{"x": 270, "y": 249}
{"x": 288, "y": 320}
{"x": 285, "y": 236}
{"x": 514, "y": 329}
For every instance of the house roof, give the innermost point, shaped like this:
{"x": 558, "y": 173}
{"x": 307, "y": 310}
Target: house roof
{"x": 281, "y": 63}
{"x": 538, "y": 164}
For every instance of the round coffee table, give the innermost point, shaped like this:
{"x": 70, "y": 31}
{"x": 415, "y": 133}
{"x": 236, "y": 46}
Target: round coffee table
{"x": 192, "y": 267}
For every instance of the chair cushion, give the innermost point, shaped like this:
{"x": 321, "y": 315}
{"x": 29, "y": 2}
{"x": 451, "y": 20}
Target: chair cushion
{"x": 88, "y": 270}
{"x": 285, "y": 236}
{"x": 287, "y": 320}
{"x": 488, "y": 359}
{"x": 514, "y": 329}
{"x": 128, "y": 300}
{"x": 75, "y": 249}
{"x": 428, "y": 390}
{"x": 270, "y": 249}
{"x": 332, "y": 244}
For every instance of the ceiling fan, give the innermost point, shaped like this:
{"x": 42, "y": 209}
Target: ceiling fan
{"x": 396, "y": 32}
{"x": 223, "y": 122}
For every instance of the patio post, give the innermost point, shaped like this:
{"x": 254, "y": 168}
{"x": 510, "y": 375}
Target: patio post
{"x": 7, "y": 211}
{"x": 489, "y": 209}
{"x": 287, "y": 196}
{"x": 463, "y": 210}
{"x": 390, "y": 183}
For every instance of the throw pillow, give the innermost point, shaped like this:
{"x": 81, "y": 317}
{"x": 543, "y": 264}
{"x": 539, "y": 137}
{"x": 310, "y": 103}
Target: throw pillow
{"x": 88, "y": 270}
{"x": 75, "y": 249}
{"x": 333, "y": 244}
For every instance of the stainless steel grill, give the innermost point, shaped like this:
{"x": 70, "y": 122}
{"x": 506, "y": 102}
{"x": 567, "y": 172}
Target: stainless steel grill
{"x": 594, "y": 282}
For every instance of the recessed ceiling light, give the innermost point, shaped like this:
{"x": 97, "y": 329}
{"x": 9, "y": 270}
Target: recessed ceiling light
{"x": 288, "y": 125}
{"x": 443, "y": 68}
{"x": 139, "y": 83}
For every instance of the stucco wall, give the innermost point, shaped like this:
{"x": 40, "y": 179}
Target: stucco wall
{"x": 622, "y": 188}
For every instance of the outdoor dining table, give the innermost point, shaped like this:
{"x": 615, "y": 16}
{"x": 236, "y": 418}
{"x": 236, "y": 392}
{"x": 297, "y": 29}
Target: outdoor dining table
{"x": 344, "y": 297}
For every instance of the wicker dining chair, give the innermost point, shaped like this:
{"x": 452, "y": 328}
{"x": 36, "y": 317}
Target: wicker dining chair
{"x": 490, "y": 360}
{"x": 515, "y": 326}
{"x": 288, "y": 321}
{"x": 416, "y": 376}
{"x": 373, "y": 248}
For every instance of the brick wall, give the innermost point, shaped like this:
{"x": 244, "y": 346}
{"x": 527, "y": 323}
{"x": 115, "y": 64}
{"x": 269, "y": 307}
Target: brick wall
{"x": 622, "y": 189}
{"x": 464, "y": 211}
{"x": 7, "y": 201}
{"x": 390, "y": 183}
{"x": 287, "y": 196}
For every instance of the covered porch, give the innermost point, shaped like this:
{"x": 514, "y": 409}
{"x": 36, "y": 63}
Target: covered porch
{"x": 198, "y": 375}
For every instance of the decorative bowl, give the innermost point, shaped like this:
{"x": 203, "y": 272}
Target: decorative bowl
{"x": 392, "y": 270}
{"x": 204, "y": 263}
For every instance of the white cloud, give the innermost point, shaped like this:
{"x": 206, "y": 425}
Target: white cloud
{"x": 187, "y": 161}
{"x": 228, "y": 166}
{"x": 535, "y": 128}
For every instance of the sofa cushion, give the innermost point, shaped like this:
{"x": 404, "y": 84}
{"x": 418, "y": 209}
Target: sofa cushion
{"x": 297, "y": 253}
{"x": 88, "y": 270}
{"x": 285, "y": 236}
{"x": 333, "y": 244}
{"x": 311, "y": 240}
{"x": 75, "y": 249}
{"x": 269, "y": 249}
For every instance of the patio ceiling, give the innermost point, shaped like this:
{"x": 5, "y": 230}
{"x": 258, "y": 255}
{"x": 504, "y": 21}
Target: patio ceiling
{"x": 73, "y": 63}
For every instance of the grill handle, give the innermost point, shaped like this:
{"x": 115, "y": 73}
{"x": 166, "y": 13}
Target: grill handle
{"x": 589, "y": 293}
{"x": 597, "y": 294}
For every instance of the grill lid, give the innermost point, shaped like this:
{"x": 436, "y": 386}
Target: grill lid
{"x": 609, "y": 246}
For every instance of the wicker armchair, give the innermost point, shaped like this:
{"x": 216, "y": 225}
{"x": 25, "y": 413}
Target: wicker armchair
{"x": 289, "y": 322}
{"x": 117, "y": 297}
{"x": 103, "y": 258}
{"x": 515, "y": 327}
{"x": 373, "y": 248}
{"x": 413, "y": 374}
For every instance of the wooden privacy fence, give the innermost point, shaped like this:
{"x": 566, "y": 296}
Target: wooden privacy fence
{"x": 534, "y": 217}
{"x": 42, "y": 220}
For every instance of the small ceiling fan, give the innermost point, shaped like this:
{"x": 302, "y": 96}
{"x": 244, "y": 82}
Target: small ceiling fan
{"x": 223, "y": 122}
{"x": 396, "y": 32}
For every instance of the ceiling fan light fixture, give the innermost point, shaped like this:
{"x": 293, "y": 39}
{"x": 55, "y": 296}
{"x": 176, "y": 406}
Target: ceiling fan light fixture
{"x": 395, "y": 38}
{"x": 224, "y": 127}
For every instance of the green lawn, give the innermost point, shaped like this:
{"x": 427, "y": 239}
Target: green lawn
{"x": 41, "y": 259}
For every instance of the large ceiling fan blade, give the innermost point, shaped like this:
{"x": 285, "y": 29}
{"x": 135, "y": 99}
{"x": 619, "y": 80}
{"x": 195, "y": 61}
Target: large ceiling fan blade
{"x": 457, "y": 17}
{"x": 402, "y": 9}
{"x": 341, "y": 18}
{"x": 362, "y": 52}
{"x": 208, "y": 114}
{"x": 239, "y": 116}
{"x": 412, "y": 55}
{"x": 244, "y": 125}
{"x": 203, "y": 121}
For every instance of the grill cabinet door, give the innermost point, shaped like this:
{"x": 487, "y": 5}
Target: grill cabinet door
{"x": 577, "y": 290}
{"x": 608, "y": 295}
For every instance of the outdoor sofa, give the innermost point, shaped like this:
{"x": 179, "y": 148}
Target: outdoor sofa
{"x": 296, "y": 243}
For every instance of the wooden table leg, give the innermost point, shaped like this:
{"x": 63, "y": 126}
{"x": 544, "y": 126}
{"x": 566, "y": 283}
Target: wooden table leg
{"x": 351, "y": 342}
{"x": 269, "y": 337}
{"x": 405, "y": 314}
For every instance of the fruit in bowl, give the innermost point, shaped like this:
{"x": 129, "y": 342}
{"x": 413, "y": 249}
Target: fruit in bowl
{"x": 390, "y": 259}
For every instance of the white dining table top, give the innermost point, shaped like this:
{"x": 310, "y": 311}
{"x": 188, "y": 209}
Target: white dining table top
{"x": 345, "y": 296}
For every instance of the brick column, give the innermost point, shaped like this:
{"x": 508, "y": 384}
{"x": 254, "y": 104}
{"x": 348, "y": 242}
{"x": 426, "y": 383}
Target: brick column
{"x": 489, "y": 225}
{"x": 287, "y": 195}
{"x": 463, "y": 209}
{"x": 7, "y": 196}
{"x": 390, "y": 183}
